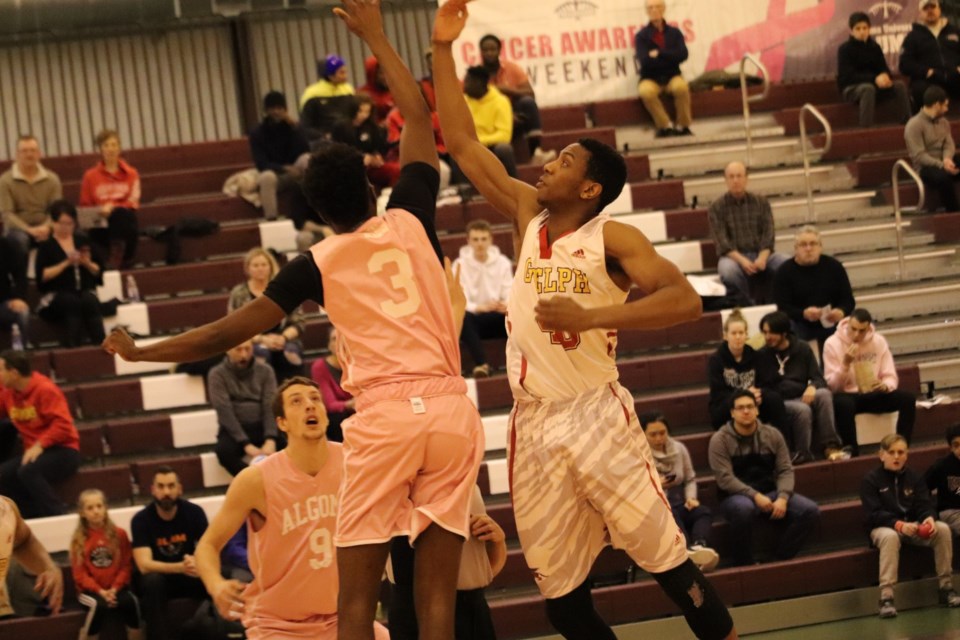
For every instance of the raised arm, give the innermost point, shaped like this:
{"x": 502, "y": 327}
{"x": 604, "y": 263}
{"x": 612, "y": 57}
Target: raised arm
{"x": 417, "y": 142}
{"x": 514, "y": 199}
{"x": 30, "y": 553}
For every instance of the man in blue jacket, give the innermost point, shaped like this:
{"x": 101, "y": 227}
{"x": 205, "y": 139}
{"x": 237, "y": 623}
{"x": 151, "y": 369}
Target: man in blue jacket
{"x": 660, "y": 50}
{"x": 931, "y": 54}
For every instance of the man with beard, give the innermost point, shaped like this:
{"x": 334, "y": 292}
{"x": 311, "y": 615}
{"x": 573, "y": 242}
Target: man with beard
{"x": 165, "y": 534}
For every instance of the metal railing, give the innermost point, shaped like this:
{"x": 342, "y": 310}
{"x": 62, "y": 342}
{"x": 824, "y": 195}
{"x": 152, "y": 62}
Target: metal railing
{"x": 805, "y": 151}
{"x": 898, "y": 211}
{"x": 747, "y": 98}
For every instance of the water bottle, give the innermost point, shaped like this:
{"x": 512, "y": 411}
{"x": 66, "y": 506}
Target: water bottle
{"x": 133, "y": 294}
{"x": 16, "y": 338}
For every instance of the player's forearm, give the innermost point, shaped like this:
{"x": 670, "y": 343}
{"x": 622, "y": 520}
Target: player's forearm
{"x": 497, "y": 555}
{"x": 196, "y": 344}
{"x": 666, "y": 307}
{"x": 455, "y": 119}
{"x": 33, "y": 556}
{"x": 153, "y": 566}
{"x": 207, "y": 558}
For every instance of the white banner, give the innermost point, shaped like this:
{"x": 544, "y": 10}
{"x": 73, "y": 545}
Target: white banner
{"x": 578, "y": 51}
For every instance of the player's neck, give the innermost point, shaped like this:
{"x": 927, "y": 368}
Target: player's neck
{"x": 309, "y": 456}
{"x": 565, "y": 220}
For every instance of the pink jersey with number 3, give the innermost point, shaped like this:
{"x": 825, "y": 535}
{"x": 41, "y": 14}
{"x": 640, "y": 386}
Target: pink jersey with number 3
{"x": 385, "y": 292}
{"x": 554, "y": 365}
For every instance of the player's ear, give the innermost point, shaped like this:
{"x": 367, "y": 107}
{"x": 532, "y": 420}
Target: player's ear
{"x": 590, "y": 191}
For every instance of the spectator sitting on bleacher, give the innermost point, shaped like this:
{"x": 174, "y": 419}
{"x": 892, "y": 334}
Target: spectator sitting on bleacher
{"x": 241, "y": 390}
{"x": 14, "y": 309}
{"x": 741, "y": 224}
{"x": 486, "y": 276}
{"x": 492, "y": 117}
{"x": 813, "y": 289}
{"x": 165, "y": 536}
{"x": 790, "y": 368}
{"x": 678, "y": 478}
{"x": 281, "y": 346}
{"x": 863, "y": 75}
{"x": 102, "y": 563}
{"x": 17, "y": 542}
{"x": 932, "y": 150}
{"x": 512, "y": 81}
{"x": 754, "y": 476}
{"x": 48, "y": 448}
{"x": 377, "y": 89}
{"x": 112, "y": 189}
{"x": 395, "y": 123}
{"x": 363, "y": 133}
{"x": 660, "y": 48}
{"x": 26, "y": 190}
{"x": 859, "y": 369}
{"x": 280, "y": 152}
{"x": 944, "y": 478}
{"x": 327, "y": 373}
{"x": 930, "y": 54}
{"x": 732, "y": 367}
{"x": 898, "y": 509}
{"x": 68, "y": 271}
{"x": 325, "y": 102}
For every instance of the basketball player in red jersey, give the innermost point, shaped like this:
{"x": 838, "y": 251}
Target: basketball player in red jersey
{"x": 413, "y": 449}
{"x": 581, "y": 472}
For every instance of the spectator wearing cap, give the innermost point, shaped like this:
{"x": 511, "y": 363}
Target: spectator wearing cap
{"x": 930, "y": 54}
{"x": 325, "y": 102}
{"x": 492, "y": 116}
{"x": 280, "y": 152}
{"x": 377, "y": 89}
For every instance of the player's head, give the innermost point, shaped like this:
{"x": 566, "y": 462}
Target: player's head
{"x": 893, "y": 452}
{"x": 475, "y": 83}
{"x": 656, "y": 428}
{"x": 337, "y": 188}
{"x": 490, "y": 46}
{"x": 298, "y": 407}
{"x": 166, "y": 487}
{"x": 586, "y": 172}
{"x": 953, "y": 439}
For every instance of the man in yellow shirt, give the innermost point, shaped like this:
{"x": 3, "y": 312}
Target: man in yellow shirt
{"x": 492, "y": 116}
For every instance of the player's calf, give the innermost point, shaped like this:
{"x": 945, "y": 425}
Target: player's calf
{"x": 706, "y": 614}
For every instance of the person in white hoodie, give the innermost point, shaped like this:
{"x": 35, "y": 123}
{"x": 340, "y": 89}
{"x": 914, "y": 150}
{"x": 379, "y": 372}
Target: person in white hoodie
{"x": 859, "y": 370}
{"x": 486, "y": 276}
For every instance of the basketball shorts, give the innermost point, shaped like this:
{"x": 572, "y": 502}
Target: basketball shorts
{"x": 322, "y": 627}
{"x": 582, "y": 477}
{"x": 411, "y": 456}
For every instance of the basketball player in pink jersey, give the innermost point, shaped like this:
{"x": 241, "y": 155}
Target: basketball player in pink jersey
{"x": 581, "y": 472}
{"x": 413, "y": 449}
{"x": 289, "y": 502}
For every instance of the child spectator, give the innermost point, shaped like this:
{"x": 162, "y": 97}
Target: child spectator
{"x": 101, "y": 558}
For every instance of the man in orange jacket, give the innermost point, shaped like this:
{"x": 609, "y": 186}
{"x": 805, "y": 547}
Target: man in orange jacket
{"x": 50, "y": 448}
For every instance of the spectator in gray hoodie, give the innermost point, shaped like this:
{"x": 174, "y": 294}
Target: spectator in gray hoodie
{"x": 930, "y": 144}
{"x": 754, "y": 476}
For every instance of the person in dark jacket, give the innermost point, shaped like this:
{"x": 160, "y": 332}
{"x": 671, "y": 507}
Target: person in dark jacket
{"x": 944, "y": 478}
{"x": 660, "y": 48}
{"x": 14, "y": 309}
{"x": 931, "y": 54}
{"x": 362, "y": 132}
{"x": 863, "y": 75}
{"x": 280, "y": 152}
{"x": 754, "y": 476}
{"x": 732, "y": 367}
{"x": 897, "y": 509}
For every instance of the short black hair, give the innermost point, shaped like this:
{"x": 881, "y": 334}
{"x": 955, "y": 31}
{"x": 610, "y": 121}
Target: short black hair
{"x": 19, "y": 361}
{"x": 857, "y": 17}
{"x": 274, "y": 99}
{"x": 490, "y": 36}
{"x": 59, "y": 208}
{"x": 862, "y": 315}
{"x": 607, "y": 167}
{"x": 953, "y": 431}
{"x": 336, "y": 187}
{"x": 479, "y": 73}
{"x": 778, "y": 321}
{"x": 649, "y": 417}
{"x": 163, "y": 470}
{"x": 741, "y": 393}
{"x": 935, "y": 94}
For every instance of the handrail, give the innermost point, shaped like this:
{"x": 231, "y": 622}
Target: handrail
{"x": 897, "y": 212}
{"x": 747, "y": 99}
{"x": 805, "y": 151}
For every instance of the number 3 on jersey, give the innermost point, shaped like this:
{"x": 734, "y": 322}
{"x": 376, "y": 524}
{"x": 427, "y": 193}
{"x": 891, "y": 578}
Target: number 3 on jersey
{"x": 401, "y": 281}
{"x": 321, "y": 545}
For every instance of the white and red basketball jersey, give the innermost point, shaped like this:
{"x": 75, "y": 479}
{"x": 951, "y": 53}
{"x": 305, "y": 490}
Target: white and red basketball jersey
{"x": 386, "y": 293}
{"x": 554, "y": 365}
{"x": 292, "y": 556}
{"x": 8, "y": 530}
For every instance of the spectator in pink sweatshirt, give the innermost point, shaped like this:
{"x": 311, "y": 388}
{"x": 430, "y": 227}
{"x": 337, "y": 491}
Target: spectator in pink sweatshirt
{"x": 859, "y": 370}
{"x": 327, "y": 372}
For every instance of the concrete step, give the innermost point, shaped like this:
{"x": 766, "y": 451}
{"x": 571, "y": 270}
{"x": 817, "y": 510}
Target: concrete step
{"x": 823, "y": 178}
{"x": 944, "y": 374}
{"x": 792, "y": 211}
{"x": 901, "y": 302}
{"x": 694, "y": 161}
{"x": 919, "y": 265}
{"x": 856, "y": 238}
{"x": 914, "y": 338}
{"x": 707, "y": 131}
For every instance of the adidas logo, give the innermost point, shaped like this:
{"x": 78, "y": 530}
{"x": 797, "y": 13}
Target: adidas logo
{"x": 579, "y": 254}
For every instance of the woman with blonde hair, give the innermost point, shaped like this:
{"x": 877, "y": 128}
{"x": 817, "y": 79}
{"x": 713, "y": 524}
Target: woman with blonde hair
{"x": 101, "y": 559}
{"x": 281, "y": 346}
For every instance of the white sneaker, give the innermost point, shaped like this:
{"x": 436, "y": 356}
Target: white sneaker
{"x": 704, "y": 557}
{"x": 541, "y": 157}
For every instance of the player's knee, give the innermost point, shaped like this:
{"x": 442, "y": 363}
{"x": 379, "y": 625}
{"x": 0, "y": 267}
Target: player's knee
{"x": 573, "y": 615}
{"x": 705, "y": 613}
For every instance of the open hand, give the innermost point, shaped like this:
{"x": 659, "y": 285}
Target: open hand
{"x": 362, "y": 17}
{"x": 450, "y": 21}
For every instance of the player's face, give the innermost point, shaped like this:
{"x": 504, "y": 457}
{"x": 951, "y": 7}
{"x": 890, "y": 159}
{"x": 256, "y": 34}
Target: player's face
{"x": 955, "y": 447}
{"x": 895, "y": 457}
{"x": 94, "y": 511}
{"x": 807, "y": 249}
{"x": 166, "y": 490}
{"x": 860, "y": 31}
{"x": 304, "y": 414}
{"x": 657, "y": 435}
{"x": 736, "y": 336}
{"x": 490, "y": 51}
{"x": 857, "y": 330}
{"x": 563, "y": 179}
{"x": 480, "y": 242}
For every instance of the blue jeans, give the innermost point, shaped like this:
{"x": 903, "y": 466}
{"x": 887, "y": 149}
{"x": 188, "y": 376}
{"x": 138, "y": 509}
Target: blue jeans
{"x": 741, "y": 512}
{"x": 696, "y": 524}
{"x": 738, "y": 282}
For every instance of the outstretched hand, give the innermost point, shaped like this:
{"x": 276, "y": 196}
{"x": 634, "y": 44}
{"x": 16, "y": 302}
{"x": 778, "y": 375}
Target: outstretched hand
{"x": 120, "y": 343}
{"x": 450, "y": 21}
{"x": 362, "y": 17}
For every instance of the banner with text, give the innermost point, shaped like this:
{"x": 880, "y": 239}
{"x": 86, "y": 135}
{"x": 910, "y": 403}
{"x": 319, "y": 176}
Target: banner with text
{"x": 583, "y": 50}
